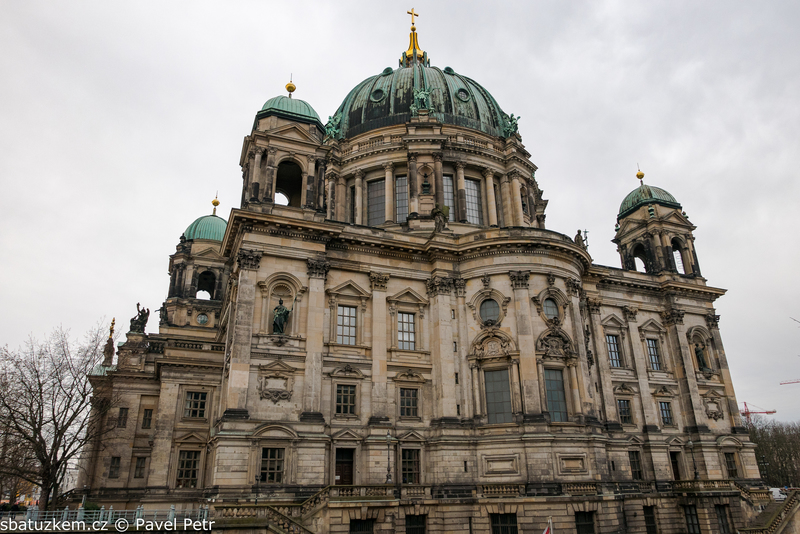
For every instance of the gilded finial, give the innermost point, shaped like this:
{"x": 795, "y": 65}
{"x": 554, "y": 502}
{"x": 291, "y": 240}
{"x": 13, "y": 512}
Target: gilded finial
{"x": 215, "y": 203}
{"x": 290, "y": 87}
{"x": 111, "y": 330}
{"x": 413, "y": 45}
{"x": 639, "y": 175}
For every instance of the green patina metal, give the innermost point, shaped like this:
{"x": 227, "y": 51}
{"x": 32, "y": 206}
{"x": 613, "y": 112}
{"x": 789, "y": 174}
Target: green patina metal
{"x": 644, "y": 195}
{"x": 290, "y": 109}
{"x": 208, "y": 227}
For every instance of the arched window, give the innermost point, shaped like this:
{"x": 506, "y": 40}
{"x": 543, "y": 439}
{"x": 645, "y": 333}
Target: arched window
{"x": 550, "y": 308}
{"x": 206, "y": 283}
{"x": 640, "y": 258}
{"x": 289, "y": 182}
{"x": 678, "y": 255}
{"x": 490, "y": 310}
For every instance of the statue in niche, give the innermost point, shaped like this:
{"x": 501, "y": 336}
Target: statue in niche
{"x": 281, "y": 317}
{"x": 140, "y": 320}
{"x": 699, "y": 353}
{"x": 440, "y": 216}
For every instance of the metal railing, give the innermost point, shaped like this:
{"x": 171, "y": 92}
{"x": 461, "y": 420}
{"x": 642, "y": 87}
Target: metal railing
{"x": 81, "y": 519}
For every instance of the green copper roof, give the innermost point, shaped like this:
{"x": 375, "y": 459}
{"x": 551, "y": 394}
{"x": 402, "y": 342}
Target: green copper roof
{"x": 290, "y": 108}
{"x": 389, "y": 98}
{"x": 207, "y": 227}
{"x": 644, "y": 195}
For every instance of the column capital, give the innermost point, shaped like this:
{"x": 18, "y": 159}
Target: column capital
{"x": 388, "y": 166}
{"x": 460, "y": 165}
{"x": 318, "y": 268}
{"x": 378, "y": 281}
{"x": 249, "y": 259}
{"x": 487, "y": 172}
{"x": 573, "y": 287}
{"x": 594, "y": 306}
{"x": 412, "y": 157}
{"x": 630, "y": 313}
{"x": 673, "y": 316}
{"x": 519, "y": 279}
{"x": 513, "y": 175}
{"x": 439, "y": 285}
{"x": 272, "y": 150}
{"x": 359, "y": 174}
{"x": 437, "y": 157}
{"x": 311, "y": 158}
{"x": 712, "y": 320}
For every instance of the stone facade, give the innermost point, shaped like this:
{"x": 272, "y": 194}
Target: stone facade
{"x": 484, "y": 363}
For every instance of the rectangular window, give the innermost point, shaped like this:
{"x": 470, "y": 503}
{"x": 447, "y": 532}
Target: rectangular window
{"x": 147, "y": 419}
{"x": 722, "y": 519}
{"x": 730, "y": 465}
{"x": 636, "y": 465}
{"x": 138, "y": 471}
{"x": 272, "y": 466}
{"x": 410, "y": 466}
{"x": 666, "y": 413}
{"x": 652, "y": 353}
{"x": 556, "y": 399}
{"x": 624, "y": 411}
{"x": 675, "y": 462}
{"x": 408, "y": 402}
{"x": 504, "y": 523}
{"x": 188, "y": 463}
{"x": 612, "y": 342}
{"x": 401, "y": 198}
{"x": 405, "y": 331}
{"x": 353, "y": 204}
{"x": 113, "y": 470}
{"x": 449, "y": 197}
{"x": 692, "y": 522}
{"x": 346, "y": 325}
{"x": 345, "y": 399}
{"x": 122, "y": 419}
{"x": 498, "y": 396}
{"x": 358, "y": 526}
{"x": 195, "y": 406}
{"x": 650, "y": 524}
{"x": 415, "y": 524}
{"x": 376, "y": 203}
{"x": 584, "y": 522}
{"x": 474, "y": 204}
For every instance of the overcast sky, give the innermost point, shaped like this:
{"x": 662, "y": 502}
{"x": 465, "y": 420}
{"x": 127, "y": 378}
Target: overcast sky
{"x": 119, "y": 121}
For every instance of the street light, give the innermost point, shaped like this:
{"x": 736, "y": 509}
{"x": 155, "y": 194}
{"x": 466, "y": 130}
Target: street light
{"x": 690, "y": 445}
{"x": 388, "y": 458}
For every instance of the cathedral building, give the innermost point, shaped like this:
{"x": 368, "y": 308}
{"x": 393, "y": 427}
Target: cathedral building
{"x": 386, "y": 337}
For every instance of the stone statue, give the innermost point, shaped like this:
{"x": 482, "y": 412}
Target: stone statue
{"x": 440, "y": 216}
{"x": 511, "y": 126}
{"x": 332, "y": 127}
{"x": 422, "y": 97}
{"x": 579, "y": 240}
{"x": 699, "y": 353}
{"x": 281, "y": 318}
{"x": 140, "y": 320}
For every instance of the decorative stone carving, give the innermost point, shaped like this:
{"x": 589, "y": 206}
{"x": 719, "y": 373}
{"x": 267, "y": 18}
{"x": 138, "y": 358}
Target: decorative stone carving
{"x": 712, "y": 320}
{"x": 486, "y": 280}
{"x": 714, "y": 405}
{"x": 663, "y": 391}
{"x": 673, "y": 316}
{"x": 624, "y": 389}
{"x": 551, "y": 279}
{"x": 388, "y": 166}
{"x": 555, "y": 343}
{"x": 139, "y": 321}
{"x": 630, "y": 313}
{"x": 410, "y": 375}
{"x": 378, "y": 281}
{"x": 573, "y": 287}
{"x": 519, "y": 279}
{"x": 276, "y": 381}
{"x": 249, "y": 259}
{"x": 439, "y": 285}
{"x": 461, "y": 287}
{"x": 318, "y": 268}
{"x": 348, "y": 371}
{"x": 594, "y": 305}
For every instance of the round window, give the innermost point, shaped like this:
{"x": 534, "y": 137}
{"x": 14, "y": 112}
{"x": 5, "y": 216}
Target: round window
{"x": 377, "y": 95}
{"x": 550, "y": 309}
{"x": 490, "y": 311}
{"x": 463, "y": 95}
{"x": 202, "y": 318}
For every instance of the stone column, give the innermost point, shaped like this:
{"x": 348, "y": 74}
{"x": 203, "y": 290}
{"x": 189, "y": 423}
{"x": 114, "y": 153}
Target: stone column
{"x": 257, "y": 190}
{"x": 341, "y": 202}
{"x": 438, "y": 178}
{"x": 640, "y": 363}
{"x": 691, "y": 404}
{"x": 519, "y": 218}
{"x": 712, "y": 321}
{"x": 271, "y": 171}
{"x": 439, "y": 291}
{"x": 162, "y": 440}
{"x": 526, "y": 343}
{"x": 573, "y": 380}
{"x": 476, "y": 390}
{"x": 661, "y": 263}
{"x": 312, "y": 382}
{"x": 516, "y": 398}
{"x": 304, "y": 179}
{"x": 505, "y": 192}
{"x": 388, "y": 192}
{"x": 308, "y": 182}
{"x": 331, "y": 212}
{"x": 242, "y": 329}
{"x": 491, "y": 205}
{"x": 380, "y": 413}
{"x": 603, "y": 368}
{"x": 461, "y": 193}
{"x": 583, "y": 380}
{"x": 413, "y": 197}
{"x": 359, "y": 200}
{"x": 695, "y": 270}
{"x": 320, "y": 186}
{"x": 463, "y": 348}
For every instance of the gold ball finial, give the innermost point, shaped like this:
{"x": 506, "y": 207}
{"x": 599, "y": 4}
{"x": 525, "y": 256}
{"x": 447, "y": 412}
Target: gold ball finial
{"x": 640, "y": 175}
{"x": 291, "y": 88}
{"x": 214, "y": 203}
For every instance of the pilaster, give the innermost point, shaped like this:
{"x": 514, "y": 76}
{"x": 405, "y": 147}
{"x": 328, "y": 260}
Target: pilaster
{"x": 312, "y": 384}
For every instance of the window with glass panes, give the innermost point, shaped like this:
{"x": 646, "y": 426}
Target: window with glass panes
{"x": 401, "y": 198}
{"x": 195, "y": 406}
{"x": 730, "y": 465}
{"x": 650, "y": 525}
{"x": 449, "y": 196}
{"x": 345, "y": 399}
{"x": 636, "y": 465}
{"x": 358, "y": 526}
{"x": 405, "y": 331}
{"x": 408, "y": 402}
{"x": 550, "y": 308}
{"x": 692, "y": 521}
{"x": 113, "y": 470}
{"x": 556, "y": 399}
{"x": 504, "y": 523}
{"x": 624, "y": 411}
{"x": 188, "y": 463}
{"x": 122, "y": 419}
{"x": 614, "y": 358}
{"x": 722, "y": 519}
{"x": 272, "y": 465}
{"x": 474, "y": 205}
{"x": 147, "y": 418}
{"x": 584, "y": 522}
{"x": 352, "y": 204}
{"x": 346, "y": 325}
{"x": 653, "y": 354}
{"x": 376, "y": 203}
{"x": 409, "y": 466}
{"x": 415, "y": 524}
{"x": 666, "y": 413}
{"x": 498, "y": 396}
{"x": 138, "y": 470}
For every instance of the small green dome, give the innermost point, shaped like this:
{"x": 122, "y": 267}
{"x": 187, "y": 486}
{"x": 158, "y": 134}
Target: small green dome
{"x": 208, "y": 227}
{"x": 644, "y": 195}
{"x": 290, "y": 108}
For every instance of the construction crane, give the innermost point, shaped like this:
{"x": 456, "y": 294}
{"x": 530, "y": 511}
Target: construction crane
{"x": 747, "y": 412}
{"x": 795, "y": 381}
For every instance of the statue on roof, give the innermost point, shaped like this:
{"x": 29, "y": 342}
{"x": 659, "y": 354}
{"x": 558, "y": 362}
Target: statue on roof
{"x": 422, "y": 98}
{"x": 511, "y": 126}
{"x": 332, "y": 127}
{"x": 140, "y": 320}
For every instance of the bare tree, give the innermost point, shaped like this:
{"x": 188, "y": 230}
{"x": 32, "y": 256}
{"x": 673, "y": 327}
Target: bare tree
{"x": 777, "y": 451}
{"x": 46, "y": 406}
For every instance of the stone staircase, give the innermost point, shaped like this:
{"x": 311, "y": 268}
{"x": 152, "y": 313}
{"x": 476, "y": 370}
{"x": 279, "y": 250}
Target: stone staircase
{"x": 775, "y": 517}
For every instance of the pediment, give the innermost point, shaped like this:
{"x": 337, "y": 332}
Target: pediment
{"x": 409, "y": 375}
{"x": 346, "y": 435}
{"x": 663, "y": 391}
{"x": 408, "y": 295}
{"x": 613, "y": 321}
{"x": 347, "y": 371}
{"x": 349, "y": 288}
{"x": 676, "y": 218}
{"x": 411, "y": 436}
{"x": 633, "y": 440}
{"x": 674, "y": 442}
{"x": 278, "y": 366}
{"x": 209, "y": 253}
{"x": 651, "y": 325}
{"x": 191, "y": 437}
{"x": 273, "y": 431}
{"x": 293, "y": 131}
{"x": 728, "y": 441}
{"x": 624, "y": 389}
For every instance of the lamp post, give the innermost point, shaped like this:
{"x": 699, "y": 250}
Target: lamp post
{"x": 388, "y": 458}
{"x": 690, "y": 445}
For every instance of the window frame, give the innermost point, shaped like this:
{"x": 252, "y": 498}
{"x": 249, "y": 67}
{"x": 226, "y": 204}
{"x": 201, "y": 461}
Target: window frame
{"x": 728, "y": 458}
{"x": 566, "y": 411}
{"x": 414, "y": 461}
{"x": 264, "y": 474}
{"x": 114, "y": 467}
{"x": 371, "y": 203}
{"x": 504, "y": 523}
{"x": 181, "y": 468}
{"x": 629, "y": 407}
{"x": 354, "y": 317}
{"x": 402, "y": 401}
{"x": 649, "y": 512}
{"x": 202, "y": 413}
{"x": 416, "y": 528}
{"x": 355, "y": 397}
{"x": 585, "y": 522}
{"x": 723, "y": 518}
{"x": 662, "y": 404}
{"x": 692, "y": 519}
{"x": 401, "y": 198}
{"x": 473, "y": 198}
{"x": 620, "y": 360}
{"x": 655, "y": 360}
{"x": 404, "y": 344}
{"x": 635, "y": 462}
{"x": 449, "y": 182}
{"x": 139, "y": 470}
{"x": 147, "y": 418}
{"x": 492, "y": 416}
{"x": 122, "y": 417}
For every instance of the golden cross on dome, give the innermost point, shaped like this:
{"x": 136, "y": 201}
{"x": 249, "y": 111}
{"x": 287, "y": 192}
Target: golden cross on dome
{"x": 412, "y": 15}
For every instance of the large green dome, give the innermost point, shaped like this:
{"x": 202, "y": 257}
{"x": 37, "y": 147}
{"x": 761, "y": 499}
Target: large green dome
{"x": 290, "y": 108}
{"x": 388, "y": 98}
{"x": 208, "y": 227}
{"x": 644, "y": 195}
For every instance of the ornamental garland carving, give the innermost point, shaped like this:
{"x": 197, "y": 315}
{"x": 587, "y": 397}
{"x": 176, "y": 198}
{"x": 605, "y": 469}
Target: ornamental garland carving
{"x": 492, "y": 346}
{"x": 714, "y": 405}
{"x": 519, "y": 279}
{"x": 554, "y": 343}
{"x": 378, "y": 281}
{"x": 249, "y": 259}
{"x": 276, "y": 381}
{"x": 318, "y": 268}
